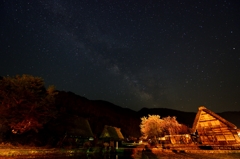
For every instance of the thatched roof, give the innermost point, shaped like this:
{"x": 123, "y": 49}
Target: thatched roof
{"x": 74, "y": 126}
{"x": 79, "y": 127}
{"x": 110, "y": 132}
{"x": 202, "y": 108}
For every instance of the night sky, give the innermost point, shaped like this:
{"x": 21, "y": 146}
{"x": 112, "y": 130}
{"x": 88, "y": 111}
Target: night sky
{"x": 177, "y": 54}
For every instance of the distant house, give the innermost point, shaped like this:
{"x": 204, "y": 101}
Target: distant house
{"x": 213, "y": 129}
{"x": 75, "y": 131}
{"x": 112, "y": 135}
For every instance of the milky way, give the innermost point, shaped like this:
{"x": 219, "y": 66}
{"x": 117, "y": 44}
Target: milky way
{"x": 135, "y": 54}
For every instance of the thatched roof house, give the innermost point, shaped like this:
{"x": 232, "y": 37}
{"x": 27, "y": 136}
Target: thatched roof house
{"x": 213, "y": 129}
{"x": 72, "y": 125}
{"x": 72, "y": 130}
{"x": 79, "y": 127}
{"x": 111, "y": 133}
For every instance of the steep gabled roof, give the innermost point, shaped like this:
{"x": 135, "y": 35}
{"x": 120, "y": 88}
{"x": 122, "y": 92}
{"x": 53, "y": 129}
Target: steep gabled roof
{"x": 202, "y": 108}
{"x": 110, "y": 132}
{"x": 79, "y": 127}
{"x": 73, "y": 125}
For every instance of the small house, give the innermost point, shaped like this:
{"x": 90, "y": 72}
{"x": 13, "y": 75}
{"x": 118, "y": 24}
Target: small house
{"x": 75, "y": 131}
{"x": 112, "y": 135}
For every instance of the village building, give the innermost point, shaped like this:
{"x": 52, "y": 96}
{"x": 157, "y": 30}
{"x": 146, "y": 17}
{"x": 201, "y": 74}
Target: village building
{"x": 212, "y": 129}
{"x": 75, "y": 132}
{"x": 175, "y": 139}
{"x": 111, "y": 136}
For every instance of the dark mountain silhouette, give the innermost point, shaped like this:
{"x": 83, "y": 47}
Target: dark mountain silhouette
{"x": 233, "y": 117}
{"x": 100, "y": 113}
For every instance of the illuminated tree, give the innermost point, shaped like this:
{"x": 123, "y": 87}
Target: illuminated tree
{"x": 150, "y": 126}
{"x": 170, "y": 126}
{"x": 154, "y": 127}
{"x": 25, "y": 104}
{"x": 184, "y": 129}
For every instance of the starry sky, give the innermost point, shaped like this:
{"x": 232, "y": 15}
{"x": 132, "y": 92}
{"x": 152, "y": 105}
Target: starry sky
{"x": 177, "y": 54}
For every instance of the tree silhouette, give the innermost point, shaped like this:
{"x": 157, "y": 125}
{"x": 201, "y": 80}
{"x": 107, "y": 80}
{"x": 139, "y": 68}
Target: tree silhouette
{"x": 25, "y": 104}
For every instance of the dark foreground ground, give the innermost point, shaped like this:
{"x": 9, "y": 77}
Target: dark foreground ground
{"x": 122, "y": 153}
{"x": 198, "y": 154}
{"x": 145, "y": 156}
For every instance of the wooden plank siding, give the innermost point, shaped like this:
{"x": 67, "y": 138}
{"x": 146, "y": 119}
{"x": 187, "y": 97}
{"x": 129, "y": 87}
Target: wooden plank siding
{"x": 213, "y": 129}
